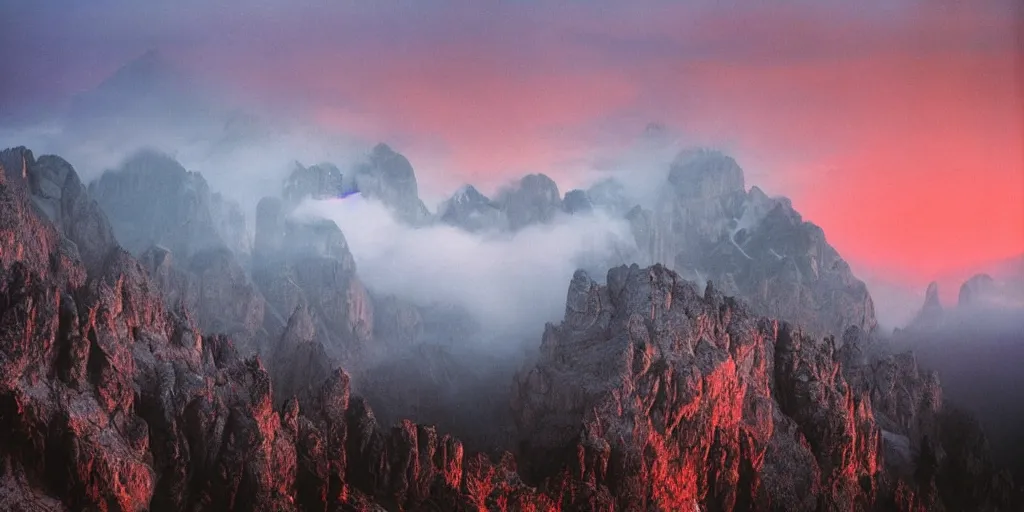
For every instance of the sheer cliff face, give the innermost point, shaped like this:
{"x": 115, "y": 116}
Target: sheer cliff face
{"x": 666, "y": 394}
{"x": 190, "y": 240}
{"x": 650, "y": 394}
{"x": 152, "y": 200}
{"x": 388, "y": 177}
{"x": 707, "y": 226}
{"x": 110, "y": 402}
{"x": 318, "y": 182}
{"x": 655, "y": 396}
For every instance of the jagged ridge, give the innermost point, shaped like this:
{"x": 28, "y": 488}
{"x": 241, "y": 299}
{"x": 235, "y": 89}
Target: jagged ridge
{"x": 110, "y": 401}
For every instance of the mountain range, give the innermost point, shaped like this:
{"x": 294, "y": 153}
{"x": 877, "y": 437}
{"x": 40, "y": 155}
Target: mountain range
{"x": 153, "y": 359}
{"x": 165, "y": 347}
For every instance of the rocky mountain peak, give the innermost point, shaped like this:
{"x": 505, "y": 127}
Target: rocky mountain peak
{"x": 466, "y": 196}
{"x": 471, "y": 210}
{"x": 150, "y": 87}
{"x": 147, "y": 73}
{"x": 576, "y": 202}
{"x": 975, "y": 290}
{"x": 708, "y": 227}
{"x": 932, "y": 313}
{"x": 705, "y": 173}
{"x": 152, "y": 199}
{"x": 393, "y": 167}
{"x": 648, "y": 378}
{"x": 932, "y": 302}
{"x": 610, "y": 195}
{"x": 539, "y": 185}
{"x": 649, "y": 394}
{"x": 387, "y": 176}
{"x": 469, "y": 194}
{"x": 52, "y": 187}
{"x": 321, "y": 181}
{"x": 14, "y": 163}
{"x": 533, "y": 199}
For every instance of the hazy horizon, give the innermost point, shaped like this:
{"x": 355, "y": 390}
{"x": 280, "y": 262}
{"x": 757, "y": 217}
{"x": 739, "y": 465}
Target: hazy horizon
{"x": 897, "y": 129}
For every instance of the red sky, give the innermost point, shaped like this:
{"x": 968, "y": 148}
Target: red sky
{"x": 896, "y": 126}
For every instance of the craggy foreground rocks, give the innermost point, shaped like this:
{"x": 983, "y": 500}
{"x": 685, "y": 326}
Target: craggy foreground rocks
{"x": 655, "y": 396}
{"x": 650, "y": 395}
{"x": 110, "y": 402}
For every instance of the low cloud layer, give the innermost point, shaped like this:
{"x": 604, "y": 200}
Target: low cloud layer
{"x": 509, "y": 282}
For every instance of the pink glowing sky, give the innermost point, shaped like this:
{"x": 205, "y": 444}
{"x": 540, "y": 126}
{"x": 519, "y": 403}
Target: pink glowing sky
{"x": 896, "y": 126}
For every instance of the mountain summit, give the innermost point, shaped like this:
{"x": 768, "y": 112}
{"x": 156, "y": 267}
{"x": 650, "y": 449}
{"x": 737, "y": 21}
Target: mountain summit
{"x": 147, "y": 89}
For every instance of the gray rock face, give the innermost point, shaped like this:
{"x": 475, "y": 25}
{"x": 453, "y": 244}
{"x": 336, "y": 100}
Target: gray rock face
{"x": 472, "y": 211}
{"x": 190, "y": 241}
{"x": 705, "y": 175}
{"x": 648, "y": 395}
{"x": 321, "y": 181}
{"x": 610, "y": 195}
{"x": 270, "y": 228}
{"x": 108, "y": 402}
{"x": 298, "y": 362}
{"x": 212, "y": 286}
{"x": 649, "y": 241}
{"x": 707, "y": 227}
{"x": 147, "y": 89}
{"x": 388, "y": 177}
{"x": 576, "y": 201}
{"x": 932, "y": 313}
{"x": 533, "y": 200}
{"x": 976, "y": 290}
{"x": 53, "y": 188}
{"x": 309, "y": 263}
{"x": 152, "y": 200}
{"x": 647, "y": 380}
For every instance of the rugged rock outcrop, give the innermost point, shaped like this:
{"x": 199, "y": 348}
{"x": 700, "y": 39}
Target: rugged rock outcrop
{"x": 309, "y": 263}
{"x": 610, "y": 195}
{"x": 191, "y": 241}
{"x": 109, "y": 402}
{"x": 322, "y": 181}
{"x": 576, "y": 202}
{"x": 387, "y": 176}
{"x": 982, "y": 300}
{"x": 707, "y": 226}
{"x": 977, "y": 346}
{"x": 975, "y": 290}
{"x": 533, "y": 199}
{"x": 54, "y": 190}
{"x": 655, "y": 396}
{"x": 213, "y": 286}
{"x": 932, "y": 311}
{"x": 150, "y": 88}
{"x": 649, "y": 395}
{"x": 472, "y": 211}
{"x": 152, "y": 200}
